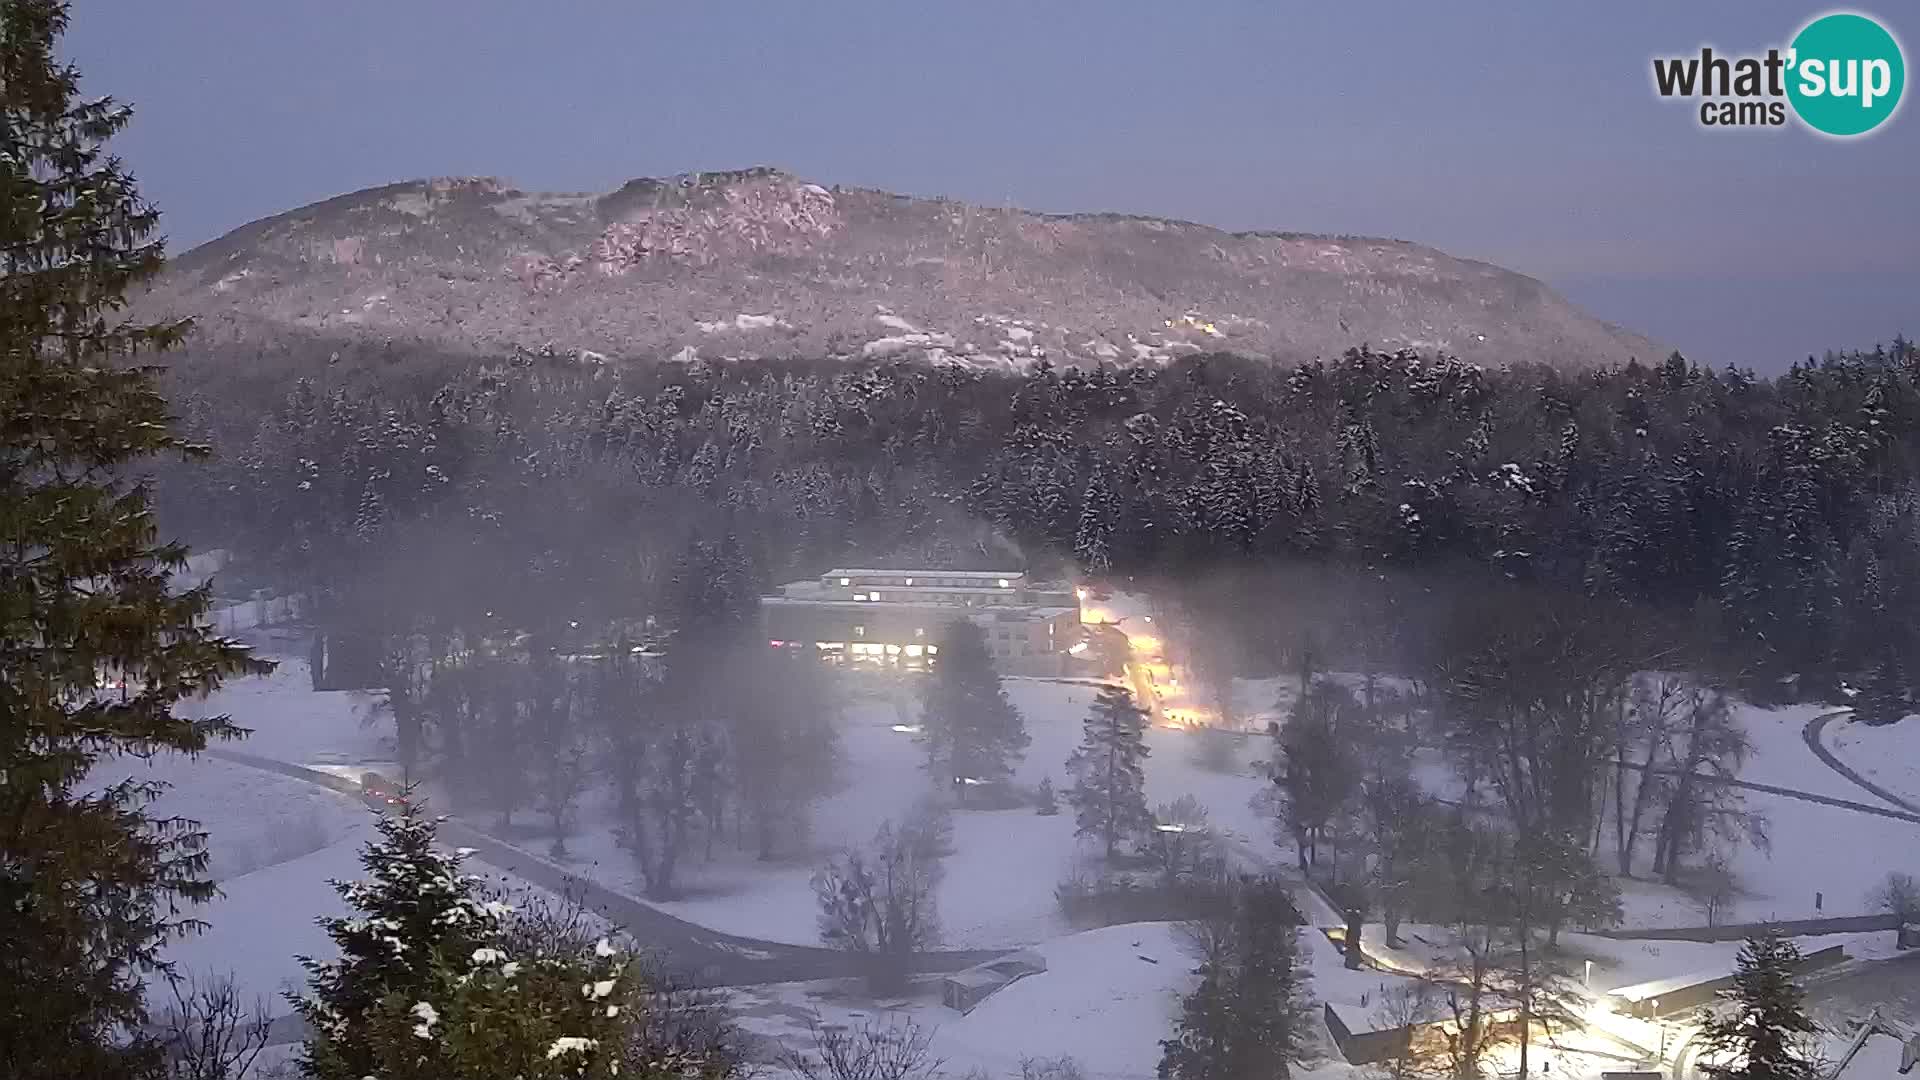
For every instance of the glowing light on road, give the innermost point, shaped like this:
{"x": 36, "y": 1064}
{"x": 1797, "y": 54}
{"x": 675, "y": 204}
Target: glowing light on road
{"x": 1169, "y": 827}
{"x": 907, "y": 729}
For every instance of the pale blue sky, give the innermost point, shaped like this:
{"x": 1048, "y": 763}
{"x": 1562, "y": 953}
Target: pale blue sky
{"x": 1527, "y": 135}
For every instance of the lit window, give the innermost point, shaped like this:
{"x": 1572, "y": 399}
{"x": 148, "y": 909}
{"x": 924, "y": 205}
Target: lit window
{"x": 873, "y": 596}
{"x": 909, "y": 581}
{"x": 846, "y": 581}
{"x": 1005, "y": 584}
{"x": 859, "y": 631}
{"x": 913, "y": 650}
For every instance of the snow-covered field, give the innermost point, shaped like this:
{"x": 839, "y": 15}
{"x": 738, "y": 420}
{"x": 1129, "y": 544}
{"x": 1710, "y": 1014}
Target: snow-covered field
{"x": 1888, "y": 756}
{"x": 252, "y": 819}
{"x": 1100, "y": 1002}
{"x": 290, "y": 721}
{"x": 1000, "y": 879}
{"x": 1814, "y": 848}
{"x": 264, "y": 919}
{"x": 1106, "y": 1000}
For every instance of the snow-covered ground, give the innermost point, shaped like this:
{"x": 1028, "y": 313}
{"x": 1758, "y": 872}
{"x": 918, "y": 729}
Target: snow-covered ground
{"x": 1106, "y": 1000}
{"x": 1813, "y": 848}
{"x": 1099, "y": 1001}
{"x": 1888, "y": 756}
{"x": 263, "y": 920}
{"x": 290, "y": 721}
{"x": 252, "y": 818}
{"x": 1000, "y": 879}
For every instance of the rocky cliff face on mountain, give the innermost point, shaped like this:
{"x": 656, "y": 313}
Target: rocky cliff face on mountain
{"x": 760, "y": 263}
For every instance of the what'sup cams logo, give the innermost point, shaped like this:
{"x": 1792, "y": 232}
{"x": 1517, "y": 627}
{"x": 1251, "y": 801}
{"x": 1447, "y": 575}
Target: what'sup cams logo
{"x": 1842, "y": 76}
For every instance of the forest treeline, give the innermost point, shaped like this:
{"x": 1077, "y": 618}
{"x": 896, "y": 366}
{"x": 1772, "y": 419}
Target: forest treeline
{"x": 1768, "y": 522}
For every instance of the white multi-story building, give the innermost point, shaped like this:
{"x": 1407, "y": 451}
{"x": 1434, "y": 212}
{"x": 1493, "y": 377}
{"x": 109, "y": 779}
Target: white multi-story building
{"x": 896, "y": 617}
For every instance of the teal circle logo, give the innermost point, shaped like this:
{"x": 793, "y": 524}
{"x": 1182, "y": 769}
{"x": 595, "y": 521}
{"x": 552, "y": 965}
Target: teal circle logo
{"x": 1846, "y": 75}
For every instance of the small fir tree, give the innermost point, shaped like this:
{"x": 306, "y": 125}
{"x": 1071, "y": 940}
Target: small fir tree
{"x": 1045, "y": 804}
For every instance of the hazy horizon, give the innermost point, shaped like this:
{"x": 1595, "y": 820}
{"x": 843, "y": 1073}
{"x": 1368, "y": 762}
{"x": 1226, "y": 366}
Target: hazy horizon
{"x": 1533, "y": 142}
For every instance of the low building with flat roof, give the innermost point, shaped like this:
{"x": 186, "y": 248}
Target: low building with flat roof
{"x": 894, "y": 618}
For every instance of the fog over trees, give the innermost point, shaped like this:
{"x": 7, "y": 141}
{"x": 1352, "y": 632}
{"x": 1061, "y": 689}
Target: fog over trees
{"x": 1508, "y": 625}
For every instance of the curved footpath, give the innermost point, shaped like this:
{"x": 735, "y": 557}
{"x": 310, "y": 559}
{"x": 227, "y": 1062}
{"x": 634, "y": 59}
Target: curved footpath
{"x": 1811, "y": 733}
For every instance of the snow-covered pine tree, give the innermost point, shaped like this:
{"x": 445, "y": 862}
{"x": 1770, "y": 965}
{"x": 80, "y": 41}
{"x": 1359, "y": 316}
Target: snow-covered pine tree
{"x": 1203, "y": 1032}
{"x": 427, "y": 987}
{"x": 91, "y": 887}
{"x": 1760, "y": 1033}
{"x": 1108, "y": 795}
{"x": 371, "y": 515}
{"x": 1248, "y": 1016}
{"x": 1269, "y": 990}
{"x": 973, "y": 733}
{"x": 1099, "y": 516}
{"x": 415, "y": 906}
{"x": 1883, "y": 700}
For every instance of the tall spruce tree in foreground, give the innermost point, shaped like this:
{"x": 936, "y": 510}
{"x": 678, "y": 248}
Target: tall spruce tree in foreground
{"x": 973, "y": 732}
{"x": 1760, "y": 1032}
{"x": 1246, "y": 1019}
{"x": 90, "y": 886}
{"x": 1109, "y": 796}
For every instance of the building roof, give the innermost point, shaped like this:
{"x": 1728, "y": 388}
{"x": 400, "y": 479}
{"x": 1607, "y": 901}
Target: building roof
{"x": 987, "y": 575}
{"x": 1647, "y": 990}
{"x": 900, "y": 605}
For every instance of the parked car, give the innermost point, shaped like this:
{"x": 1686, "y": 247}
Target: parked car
{"x": 379, "y": 792}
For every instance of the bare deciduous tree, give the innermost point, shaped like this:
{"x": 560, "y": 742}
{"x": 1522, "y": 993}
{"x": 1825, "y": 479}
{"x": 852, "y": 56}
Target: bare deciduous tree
{"x": 1411, "y": 1004}
{"x": 1898, "y": 893}
{"x": 209, "y": 1034}
{"x": 879, "y": 904}
{"x": 895, "y": 1049}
